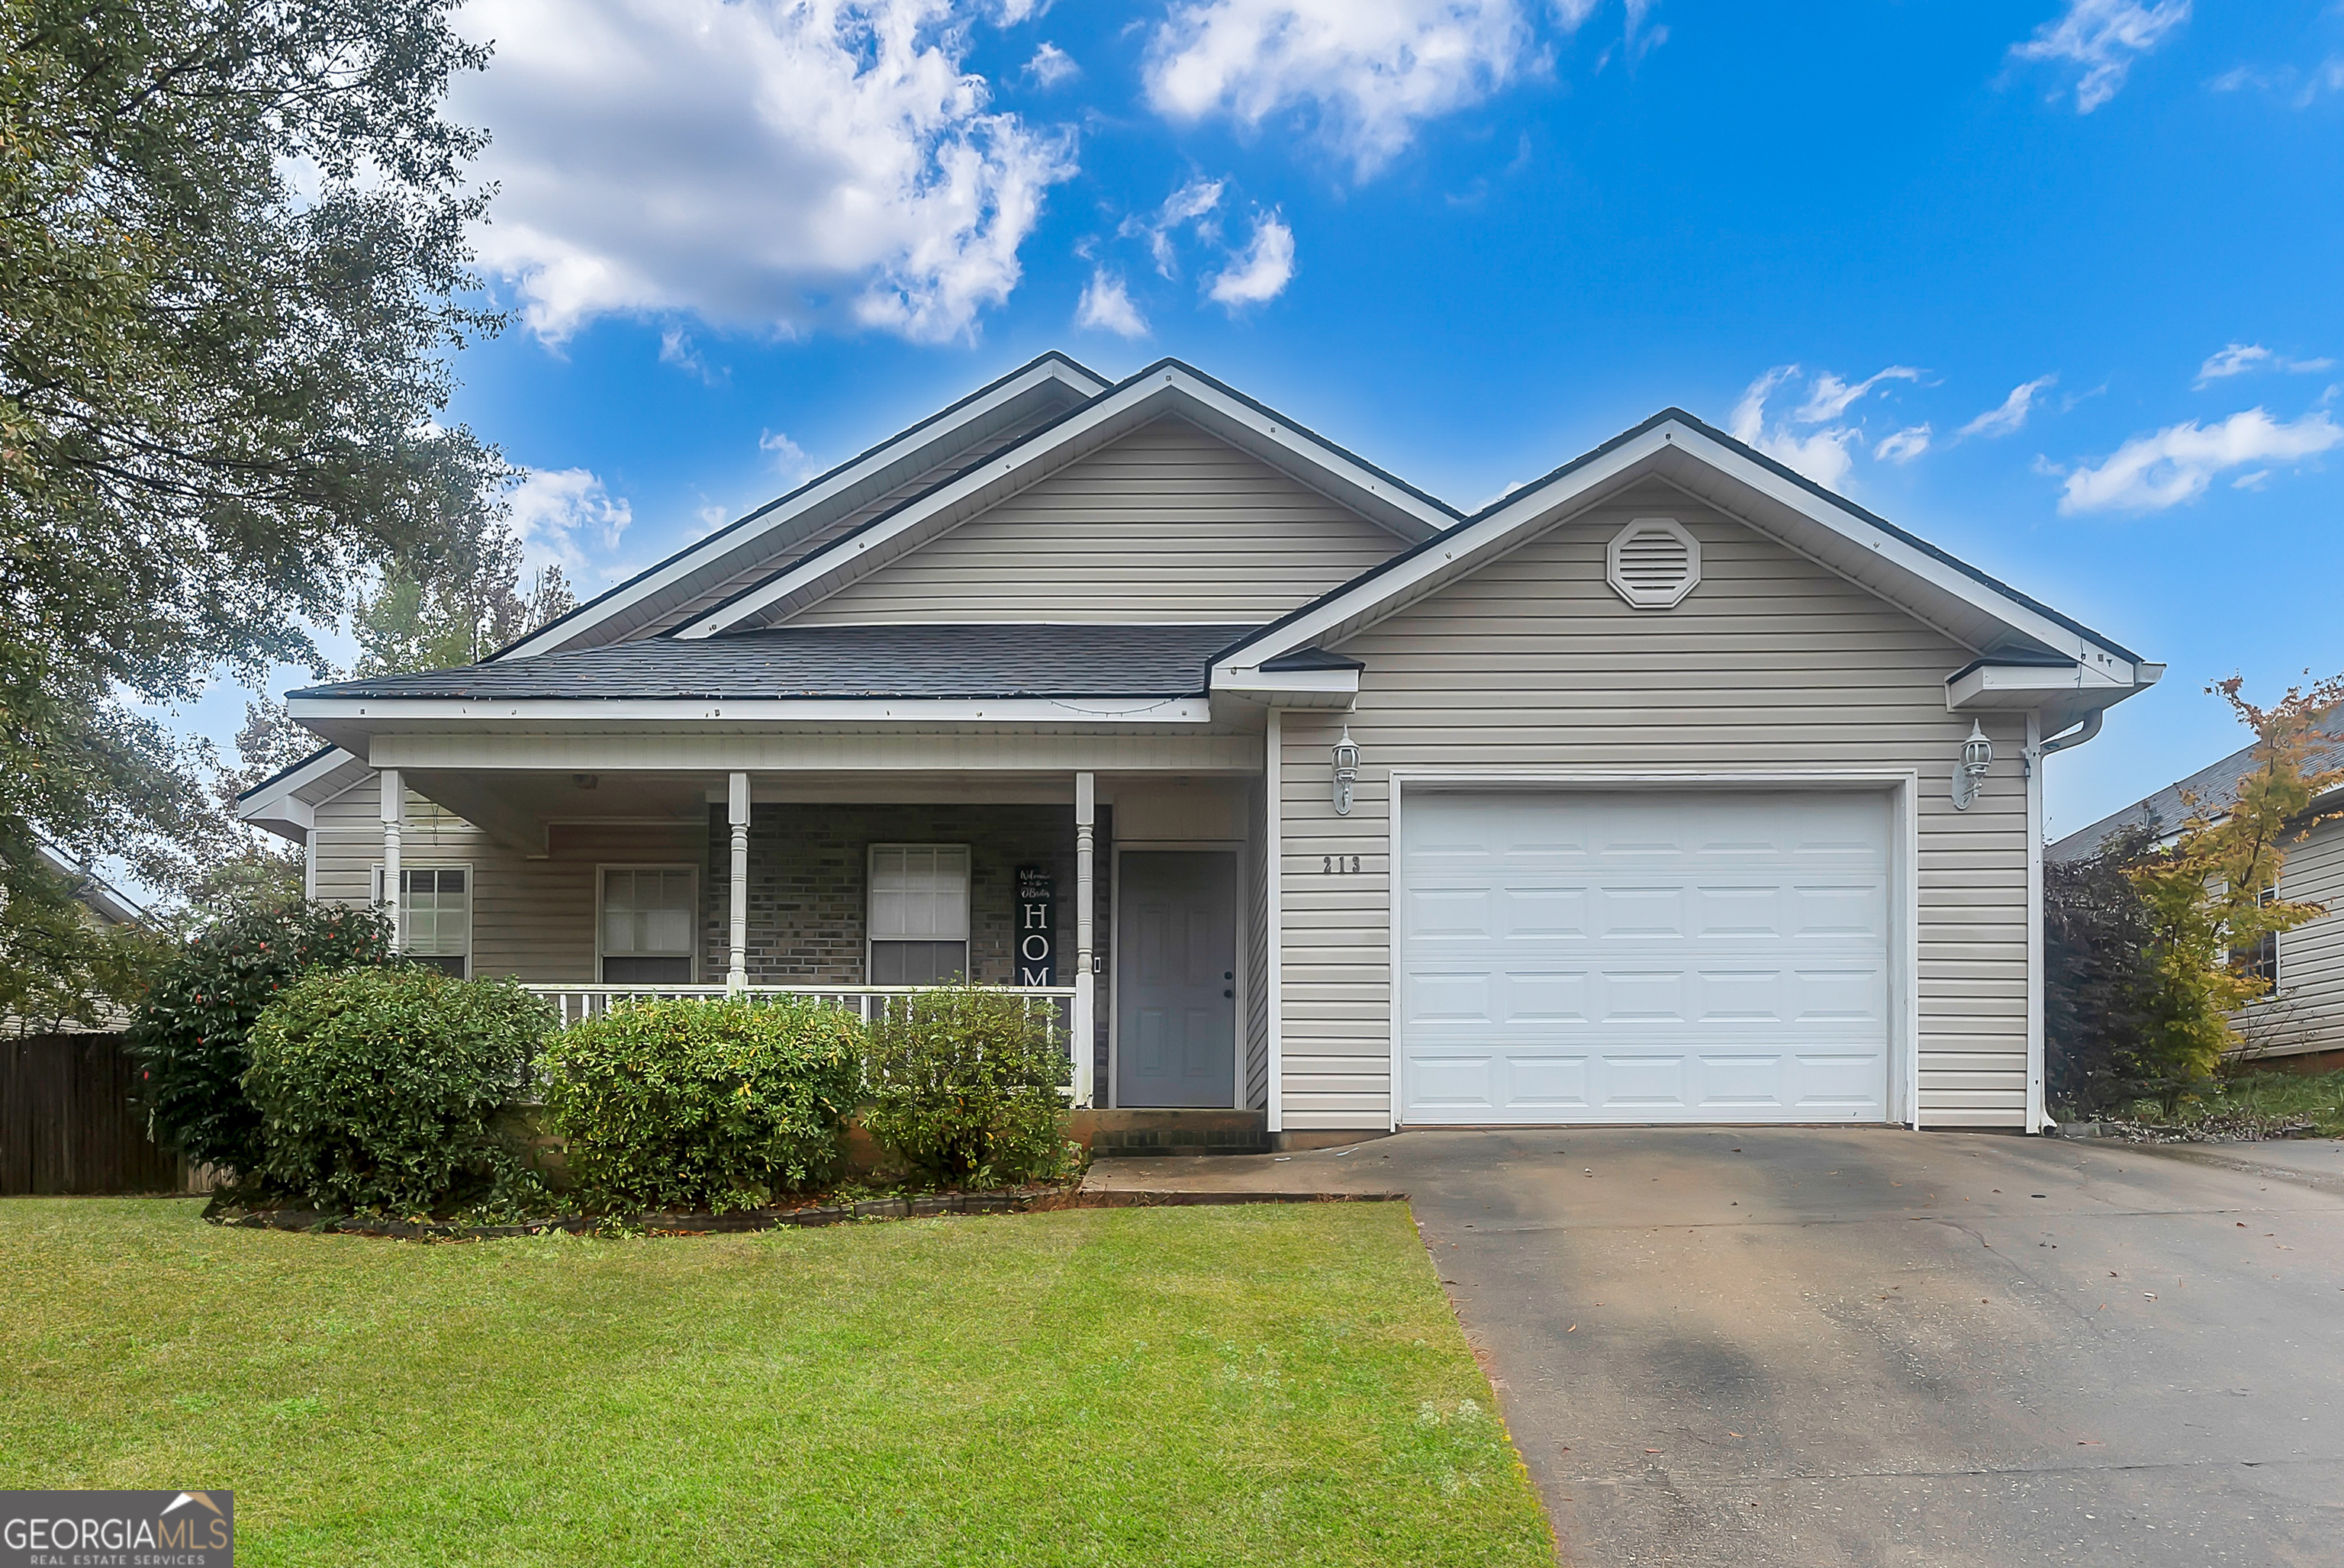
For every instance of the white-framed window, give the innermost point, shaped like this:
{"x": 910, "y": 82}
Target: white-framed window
{"x": 435, "y": 915}
{"x": 2259, "y": 957}
{"x": 919, "y": 913}
{"x": 646, "y": 918}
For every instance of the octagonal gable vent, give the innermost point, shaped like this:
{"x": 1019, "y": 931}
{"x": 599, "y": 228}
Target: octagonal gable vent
{"x": 1652, "y": 563}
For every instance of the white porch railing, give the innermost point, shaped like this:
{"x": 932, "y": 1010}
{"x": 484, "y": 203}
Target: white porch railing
{"x": 575, "y": 1003}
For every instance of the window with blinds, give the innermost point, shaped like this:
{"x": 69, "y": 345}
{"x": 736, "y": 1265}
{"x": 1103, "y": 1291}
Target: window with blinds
{"x": 435, "y": 917}
{"x": 649, "y": 913}
{"x": 919, "y": 913}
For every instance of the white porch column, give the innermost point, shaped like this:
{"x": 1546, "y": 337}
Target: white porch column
{"x": 736, "y": 973}
{"x": 1273, "y": 861}
{"x": 1085, "y": 1043}
{"x": 394, "y": 821}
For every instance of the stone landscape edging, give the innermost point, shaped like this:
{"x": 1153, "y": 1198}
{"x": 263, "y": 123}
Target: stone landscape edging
{"x": 1007, "y": 1200}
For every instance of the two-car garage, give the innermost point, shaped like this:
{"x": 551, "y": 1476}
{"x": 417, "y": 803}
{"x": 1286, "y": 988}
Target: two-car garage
{"x": 1648, "y": 955}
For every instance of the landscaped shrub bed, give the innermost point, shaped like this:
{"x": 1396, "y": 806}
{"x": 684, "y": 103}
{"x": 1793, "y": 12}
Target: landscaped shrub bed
{"x": 689, "y": 1104}
{"x": 967, "y": 1088}
{"x": 188, "y": 1035}
{"x": 384, "y": 1089}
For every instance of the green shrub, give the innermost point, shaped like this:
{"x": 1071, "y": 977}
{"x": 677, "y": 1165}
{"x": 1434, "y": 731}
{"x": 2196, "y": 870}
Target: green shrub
{"x": 966, "y": 1087}
{"x": 682, "y": 1103}
{"x": 188, "y": 1034}
{"x": 382, "y": 1088}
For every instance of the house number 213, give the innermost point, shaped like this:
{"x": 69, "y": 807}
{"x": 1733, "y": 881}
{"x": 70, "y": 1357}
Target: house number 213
{"x": 1339, "y": 863}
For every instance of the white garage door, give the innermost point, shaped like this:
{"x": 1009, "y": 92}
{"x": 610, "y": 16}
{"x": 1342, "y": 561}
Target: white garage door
{"x": 1664, "y": 955}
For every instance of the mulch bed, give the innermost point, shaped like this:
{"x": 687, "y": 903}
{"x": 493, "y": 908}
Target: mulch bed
{"x": 1005, "y": 1201}
{"x": 2241, "y": 1126}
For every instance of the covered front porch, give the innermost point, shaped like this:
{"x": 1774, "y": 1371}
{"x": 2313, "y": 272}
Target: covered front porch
{"x": 1127, "y": 902}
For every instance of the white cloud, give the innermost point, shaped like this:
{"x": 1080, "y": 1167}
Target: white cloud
{"x": 565, "y": 517}
{"x": 1368, "y": 74}
{"x": 2240, "y": 357}
{"x": 2011, "y": 414}
{"x": 788, "y": 458}
{"x": 1107, "y": 306}
{"x": 677, "y": 349}
{"x": 2149, "y": 473}
{"x": 2104, "y": 37}
{"x": 1051, "y": 64}
{"x": 1903, "y": 446}
{"x": 775, "y": 165}
{"x": 1829, "y": 397}
{"x": 1261, "y": 272}
{"x": 1195, "y": 202}
{"x": 1823, "y": 454}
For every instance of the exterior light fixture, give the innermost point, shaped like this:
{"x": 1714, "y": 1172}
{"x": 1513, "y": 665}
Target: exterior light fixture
{"x": 1346, "y": 772}
{"x": 1978, "y": 755}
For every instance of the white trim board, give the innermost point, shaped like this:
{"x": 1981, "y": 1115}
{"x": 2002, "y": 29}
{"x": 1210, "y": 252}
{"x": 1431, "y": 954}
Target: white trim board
{"x": 1904, "y": 786}
{"x": 1085, "y": 712}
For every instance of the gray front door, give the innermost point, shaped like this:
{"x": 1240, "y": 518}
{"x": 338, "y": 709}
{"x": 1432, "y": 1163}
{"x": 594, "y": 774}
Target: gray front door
{"x": 1176, "y": 978}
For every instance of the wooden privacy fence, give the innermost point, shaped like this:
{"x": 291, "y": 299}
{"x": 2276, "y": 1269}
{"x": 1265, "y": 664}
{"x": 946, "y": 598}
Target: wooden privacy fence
{"x": 67, "y": 1123}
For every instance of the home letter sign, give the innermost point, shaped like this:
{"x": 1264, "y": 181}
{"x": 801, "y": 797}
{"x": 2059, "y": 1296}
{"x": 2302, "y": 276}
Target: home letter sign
{"x": 1037, "y": 931}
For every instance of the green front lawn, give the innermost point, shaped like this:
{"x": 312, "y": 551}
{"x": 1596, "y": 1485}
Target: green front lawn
{"x": 1191, "y": 1385}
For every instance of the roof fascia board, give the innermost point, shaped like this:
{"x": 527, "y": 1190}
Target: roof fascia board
{"x": 1154, "y": 392}
{"x": 286, "y": 804}
{"x": 1293, "y": 688}
{"x": 1474, "y": 543}
{"x": 857, "y": 470}
{"x": 1083, "y": 709}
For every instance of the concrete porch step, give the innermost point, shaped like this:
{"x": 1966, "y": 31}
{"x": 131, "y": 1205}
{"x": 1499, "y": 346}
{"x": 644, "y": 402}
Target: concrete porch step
{"x": 1119, "y": 1134}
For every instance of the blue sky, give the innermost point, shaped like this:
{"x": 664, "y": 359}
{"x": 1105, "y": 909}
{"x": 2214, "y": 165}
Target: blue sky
{"x": 2051, "y": 282}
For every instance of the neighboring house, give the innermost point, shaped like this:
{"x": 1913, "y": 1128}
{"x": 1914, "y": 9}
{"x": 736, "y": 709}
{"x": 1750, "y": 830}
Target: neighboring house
{"x": 103, "y": 906}
{"x": 1627, "y": 798}
{"x": 2304, "y": 1013}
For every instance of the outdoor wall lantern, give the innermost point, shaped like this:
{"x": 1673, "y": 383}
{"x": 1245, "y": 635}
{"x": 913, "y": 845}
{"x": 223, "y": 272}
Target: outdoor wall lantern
{"x": 1346, "y": 772}
{"x": 1978, "y": 755}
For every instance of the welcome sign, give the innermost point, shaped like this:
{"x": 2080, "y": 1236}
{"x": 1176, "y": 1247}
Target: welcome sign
{"x": 1038, "y": 928}
{"x": 117, "y": 1528}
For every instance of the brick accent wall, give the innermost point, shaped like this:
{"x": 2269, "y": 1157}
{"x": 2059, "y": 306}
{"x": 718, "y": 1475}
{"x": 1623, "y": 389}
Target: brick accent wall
{"x": 809, "y": 869}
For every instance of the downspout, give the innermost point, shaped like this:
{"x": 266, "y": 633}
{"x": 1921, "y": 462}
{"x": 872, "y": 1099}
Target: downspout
{"x": 2075, "y": 737}
{"x": 2038, "y": 1115}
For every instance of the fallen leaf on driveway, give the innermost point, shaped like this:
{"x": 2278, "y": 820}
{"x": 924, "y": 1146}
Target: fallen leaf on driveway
{"x": 1652, "y": 1451}
{"x": 1573, "y": 1329}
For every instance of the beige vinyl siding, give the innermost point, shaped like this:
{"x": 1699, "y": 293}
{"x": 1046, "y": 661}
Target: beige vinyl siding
{"x": 531, "y": 918}
{"x": 1256, "y": 964}
{"x": 1167, "y": 524}
{"x": 781, "y": 554}
{"x": 2308, "y": 1013}
{"x": 1772, "y": 664}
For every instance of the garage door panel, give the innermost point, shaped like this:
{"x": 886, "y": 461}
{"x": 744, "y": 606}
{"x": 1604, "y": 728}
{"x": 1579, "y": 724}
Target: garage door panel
{"x": 1702, "y": 957}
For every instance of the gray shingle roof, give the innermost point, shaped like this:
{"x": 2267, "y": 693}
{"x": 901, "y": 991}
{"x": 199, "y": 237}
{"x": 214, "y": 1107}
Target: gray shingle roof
{"x": 2210, "y": 790}
{"x": 988, "y": 661}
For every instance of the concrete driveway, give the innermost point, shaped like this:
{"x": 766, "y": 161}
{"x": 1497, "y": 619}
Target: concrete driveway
{"x": 1865, "y": 1346}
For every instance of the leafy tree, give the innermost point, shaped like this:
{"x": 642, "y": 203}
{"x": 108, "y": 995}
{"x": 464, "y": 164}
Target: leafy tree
{"x": 414, "y": 622}
{"x": 232, "y": 268}
{"x": 2212, "y": 894}
{"x": 69, "y": 964}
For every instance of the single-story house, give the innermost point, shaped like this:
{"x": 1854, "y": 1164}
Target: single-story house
{"x": 1670, "y": 787}
{"x": 2302, "y": 1018}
